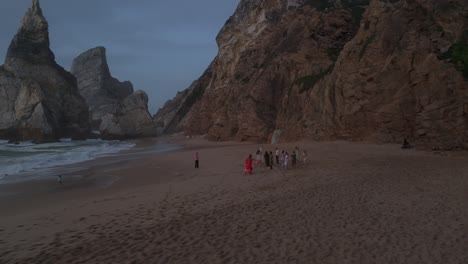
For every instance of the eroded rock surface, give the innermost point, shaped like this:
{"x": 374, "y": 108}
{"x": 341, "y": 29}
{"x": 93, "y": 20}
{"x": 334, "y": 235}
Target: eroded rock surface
{"x": 39, "y": 100}
{"x": 359, "y": 70}
{"x": 115, "y": 110}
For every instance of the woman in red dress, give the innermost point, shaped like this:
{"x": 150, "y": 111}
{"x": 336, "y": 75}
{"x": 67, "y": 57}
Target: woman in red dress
{"x": 248, "y": 165}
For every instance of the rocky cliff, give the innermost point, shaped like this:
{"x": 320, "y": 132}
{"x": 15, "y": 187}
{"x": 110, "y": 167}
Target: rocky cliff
{"x": 376, "y": 70}
{"x": 115, "y": 110}
{"x": 39, "y": 100}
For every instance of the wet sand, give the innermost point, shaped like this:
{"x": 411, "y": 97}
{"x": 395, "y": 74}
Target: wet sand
{"x": 352, "y": 203}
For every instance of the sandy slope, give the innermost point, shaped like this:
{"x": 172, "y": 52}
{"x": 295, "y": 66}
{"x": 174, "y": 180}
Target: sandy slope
{"x": 353, "y": 203}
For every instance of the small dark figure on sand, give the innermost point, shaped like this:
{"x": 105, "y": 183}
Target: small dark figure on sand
{"x": 266, "y": 156}
{"x": 59, "y": 179}
{"x": 406, "y": 144}
{"x": 197, "y": 162}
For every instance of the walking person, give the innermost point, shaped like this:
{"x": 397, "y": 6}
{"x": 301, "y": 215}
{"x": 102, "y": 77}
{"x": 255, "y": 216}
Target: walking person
{"x": 60, "y": 179}
{"x": 197, "y": 162}
{"x": 277, "y": 153}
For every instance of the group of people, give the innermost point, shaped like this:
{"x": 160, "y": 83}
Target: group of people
{"x": 282, "y": 159}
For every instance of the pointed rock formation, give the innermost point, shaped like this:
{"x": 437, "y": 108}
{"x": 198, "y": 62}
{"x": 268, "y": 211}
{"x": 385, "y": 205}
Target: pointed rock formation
{"x": 39, "y": 100}
{"x": 116, "y": 111}
{"x": 95, "y": 81}
{"x": 31, "y": 43}
{"x": 359, "y": 70}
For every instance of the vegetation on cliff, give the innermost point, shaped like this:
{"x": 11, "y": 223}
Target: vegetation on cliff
{"x": 458, "y": 55}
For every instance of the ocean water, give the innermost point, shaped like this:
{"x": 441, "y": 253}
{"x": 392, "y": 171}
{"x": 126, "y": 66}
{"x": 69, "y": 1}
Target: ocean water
{"x": 28, "y": 157}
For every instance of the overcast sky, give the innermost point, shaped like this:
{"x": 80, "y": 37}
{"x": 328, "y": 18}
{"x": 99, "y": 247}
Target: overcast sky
{"x": 161, "y": 46}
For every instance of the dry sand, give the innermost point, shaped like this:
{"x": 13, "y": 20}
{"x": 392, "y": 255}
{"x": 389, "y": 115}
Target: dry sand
{"x": 352, "y": 203}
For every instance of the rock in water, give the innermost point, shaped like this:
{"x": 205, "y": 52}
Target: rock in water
{"x": 39, "y": 100}
{"x": 357, "y": 70}
{"x": 116, "y": 111}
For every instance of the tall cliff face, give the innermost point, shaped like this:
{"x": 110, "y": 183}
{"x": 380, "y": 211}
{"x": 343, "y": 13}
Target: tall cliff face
{"x": 391, "y": 81}
{"x": 116, "y": 111}
{"x": 39, "y": 100}
{"x": 361, "y": 70}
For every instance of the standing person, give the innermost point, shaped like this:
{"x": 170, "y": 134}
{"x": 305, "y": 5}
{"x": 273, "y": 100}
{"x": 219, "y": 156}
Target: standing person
{"x": 286, "y": 160}
{"x": 277, "y": 153}
{"x": 281, "y": 158}
{"x": 248, "y": 169}
{"x": 293, "y": 158}
{"x": 297, "y": 152}
{"x": 266, "y": 156}
{"x": 271, "y": 160}
{"x": 60, "y": 179}
{"x": 197, "y": 163}
{"x": 258, "y": 157}
{"x": 304, "y": 156}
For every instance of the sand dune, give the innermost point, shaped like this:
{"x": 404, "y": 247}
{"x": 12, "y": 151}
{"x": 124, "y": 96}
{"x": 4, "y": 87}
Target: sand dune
{"x": 352, "y": 203}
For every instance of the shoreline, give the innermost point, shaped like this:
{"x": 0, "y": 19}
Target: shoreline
{"x": 79, "y": 174}
{"x": 162, "y": 210}
{"x": 102, "y": 173}
{"x": 140, "y": 148}
{"x": 29, "y": 161}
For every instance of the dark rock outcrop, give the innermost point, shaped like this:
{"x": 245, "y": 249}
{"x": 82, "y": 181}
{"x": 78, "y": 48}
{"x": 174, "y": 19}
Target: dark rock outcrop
{"x": 170, "y": 116}
{"x": 39, "y": 100}
{"x": 359, "y": 70}
{"x": 116, "y": 111}
{"x": 131, "y": 119}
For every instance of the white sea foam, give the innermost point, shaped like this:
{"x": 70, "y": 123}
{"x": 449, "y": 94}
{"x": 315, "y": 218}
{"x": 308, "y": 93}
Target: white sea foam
{"x": 28, "y": 157}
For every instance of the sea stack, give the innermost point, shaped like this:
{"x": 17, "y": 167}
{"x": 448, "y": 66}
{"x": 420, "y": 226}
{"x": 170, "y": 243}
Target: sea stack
{"x": 357, "y": 70}
{"x": 39, "y": 100}
{"x": 31, "y": 43}
{"x": 117, "y": 112}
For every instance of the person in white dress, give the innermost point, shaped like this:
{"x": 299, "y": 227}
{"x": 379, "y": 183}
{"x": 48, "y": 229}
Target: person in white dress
{"x": 285, "y": 161}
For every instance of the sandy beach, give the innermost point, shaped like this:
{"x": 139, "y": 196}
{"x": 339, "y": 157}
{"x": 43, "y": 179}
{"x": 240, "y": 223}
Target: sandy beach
{"x": 352, "y": 203}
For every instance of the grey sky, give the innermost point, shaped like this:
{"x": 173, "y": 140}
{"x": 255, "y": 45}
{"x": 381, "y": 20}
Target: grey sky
{"x": 159, "y": 45}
